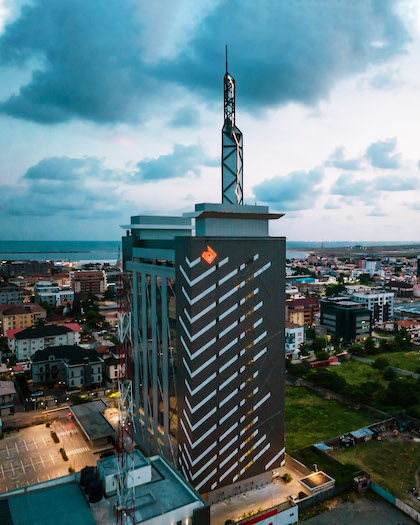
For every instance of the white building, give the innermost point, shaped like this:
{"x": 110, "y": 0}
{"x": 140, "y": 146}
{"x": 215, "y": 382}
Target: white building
{"x": 380, "y": 303}
{"x": 24, "y": 343}
{"x": 372, "y": 267}
{"x": 162, "y": 496}
{"x": 51, "y": 293}
{"x": 295, "y": 337}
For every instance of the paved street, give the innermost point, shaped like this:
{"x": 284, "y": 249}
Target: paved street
{"x": 31, "y": 456}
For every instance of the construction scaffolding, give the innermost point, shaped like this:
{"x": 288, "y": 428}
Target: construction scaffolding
{"x": 125, "y": 446}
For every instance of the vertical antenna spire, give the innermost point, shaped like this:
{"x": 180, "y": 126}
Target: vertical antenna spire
{"x": 232, "y": 149}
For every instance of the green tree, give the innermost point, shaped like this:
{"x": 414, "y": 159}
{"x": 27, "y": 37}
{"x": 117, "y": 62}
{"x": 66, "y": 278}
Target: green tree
{"x": 318, "y": 344}
{"x": 369, "y": 345}
{"x": 334, "y": 289}
{"x": 109, "y": 294}
{"x": 322, "y": 355}
{"x": 365, "y": 279}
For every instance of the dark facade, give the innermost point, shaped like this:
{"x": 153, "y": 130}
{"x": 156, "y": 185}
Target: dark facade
{"x": 208, "y": 345}
{"x": 230, "y": 332}
{"x": 346, "y": 319}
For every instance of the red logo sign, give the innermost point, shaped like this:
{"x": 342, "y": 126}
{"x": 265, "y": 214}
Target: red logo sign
{"x": 209, "y": 255}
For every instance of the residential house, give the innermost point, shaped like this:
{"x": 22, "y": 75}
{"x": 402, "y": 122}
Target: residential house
{"x": 20, "y": 316}
{"x": 295, "y": 337}
{"x": 78, "y": 367}
{"x": 302, "y": 311}
{"x": 7, "y": 395}
{"x": 24, "y": 343}
{"x": 51, "y": 293}
{"x": 10, "y": 294}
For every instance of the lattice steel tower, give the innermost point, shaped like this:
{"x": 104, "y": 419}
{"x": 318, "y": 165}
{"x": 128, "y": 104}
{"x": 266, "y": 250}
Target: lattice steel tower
{"x": 232, "y": 147}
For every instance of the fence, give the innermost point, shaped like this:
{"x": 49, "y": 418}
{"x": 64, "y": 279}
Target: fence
{"x": 395, "y": 501}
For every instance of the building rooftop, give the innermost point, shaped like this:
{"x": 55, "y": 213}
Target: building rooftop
{"x": 290, "y": 325}
{"x": 57, "y": 501}
{"x": 110, "y": 464}
{"x": 35, "y": 332}
{"x": 7, "y": 388}
{"x": 307, "y": 301}
{"x": 92, "y": 420}
{"x": 71, "y": 354}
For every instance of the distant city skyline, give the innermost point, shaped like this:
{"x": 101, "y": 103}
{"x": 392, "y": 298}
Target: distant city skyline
{"x": 119, "y": 113}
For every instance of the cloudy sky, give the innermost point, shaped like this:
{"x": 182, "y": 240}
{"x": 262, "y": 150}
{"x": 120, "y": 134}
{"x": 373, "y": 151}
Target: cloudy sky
{"x": 114, "y": 108}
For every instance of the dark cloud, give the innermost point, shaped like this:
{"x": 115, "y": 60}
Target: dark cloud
{"x": 295, "y": 191}
{"x": 63, "y": 185}
{"x": 182, "y": 161}
{"x": 89, "y": 55}
{"x": 337, "y": 160}
{"x": 382, "y": 154}
{"x": 185, "y": 117}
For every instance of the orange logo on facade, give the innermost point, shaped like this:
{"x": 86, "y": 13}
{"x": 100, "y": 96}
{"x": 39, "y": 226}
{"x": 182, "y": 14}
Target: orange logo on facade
{"x": 209, "y": 255}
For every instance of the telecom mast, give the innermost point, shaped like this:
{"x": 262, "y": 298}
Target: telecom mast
{"x": 232, "y": 147}
{"x": 125, "y": 448}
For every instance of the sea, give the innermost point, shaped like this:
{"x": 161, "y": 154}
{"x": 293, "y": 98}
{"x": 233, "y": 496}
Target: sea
{"x": 107, "y": 251}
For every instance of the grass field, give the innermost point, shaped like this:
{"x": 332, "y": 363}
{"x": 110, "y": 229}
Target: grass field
{"x": 406, "y": 360}
{"x": 391, "y": 464}
{"x": 311, "y": 418}
{"x": 356, "y": 373}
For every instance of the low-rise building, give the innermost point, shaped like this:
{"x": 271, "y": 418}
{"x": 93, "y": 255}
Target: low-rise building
{"x": 380, "y": 303}
{"x": 10, "y": 294}
{"x": 294, "y": 338}
{"x": 348, "y": 320}
{"x": 24, "y": 343}
{"x": 7, "y": 395}
{"x": 162, "y": 496}
{"x": 302, "y": 311}
{"x": 20, "y": 316}
{"x": 86, "y": 282}
{"x": 52, "y": 293}
{"x": 70, "y": 363}
{"x": 400, "y": 289}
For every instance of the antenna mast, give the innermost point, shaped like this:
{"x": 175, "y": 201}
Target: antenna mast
{"x": 232, "y": 146}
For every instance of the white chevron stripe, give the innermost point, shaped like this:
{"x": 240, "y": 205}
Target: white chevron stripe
{"x": 228, "y": 276}
{"x": 223, "y": 261}
{"x": 199, "y": 422}
{"x": 200, "y": 386}
{"x": 199, "y": 278}
{"x": 199, "y": 296}
{"x": 199, "y": 352}
{"x": 226, "y": 460}
{"x": 262, "y": 269}
{"x": 228, "y": 471}
{"x": 199, "y": 333}
{"x": 212, "y": 473}
{"x": 200, "y": 368}
{"x": 229, "y": 345}
{"x": 231, "y": 442}
{"x": 274, "y": 459}
{"x": 200, "y": 314}
{"x": 201, "y": 403}
{"x": 193, "y": 263}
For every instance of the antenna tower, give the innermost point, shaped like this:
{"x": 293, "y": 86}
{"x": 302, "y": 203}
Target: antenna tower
{"x": 125, "y": 447}
{"x": 232, "y": 147}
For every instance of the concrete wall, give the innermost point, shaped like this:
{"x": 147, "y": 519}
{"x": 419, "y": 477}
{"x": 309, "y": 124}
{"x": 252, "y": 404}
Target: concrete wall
{"x": 395, "y": 501}
{"x": 238, "y": 488}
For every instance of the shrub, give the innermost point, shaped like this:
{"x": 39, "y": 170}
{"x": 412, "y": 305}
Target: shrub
{"x": 48, "y": 425}
{"x": 55, "y": 437}
{"x": 389, "y": 374}
{"x": 71, "y": 470}
{"x": 380, "y": 363}
{"x": 63, "y": 453}
{"x": 287, "y": 478}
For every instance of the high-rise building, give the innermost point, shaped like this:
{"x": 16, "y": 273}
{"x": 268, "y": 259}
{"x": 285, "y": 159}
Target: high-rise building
{"x": 208, "y": 340}
{"x": 380, "y": 303}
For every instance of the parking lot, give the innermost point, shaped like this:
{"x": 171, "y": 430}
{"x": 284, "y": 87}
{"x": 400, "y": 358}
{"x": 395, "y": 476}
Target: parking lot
{"x": 31, "y": 456}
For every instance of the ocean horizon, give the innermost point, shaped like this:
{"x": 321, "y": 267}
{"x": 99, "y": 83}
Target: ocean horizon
{"x": 108, "y": 250}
